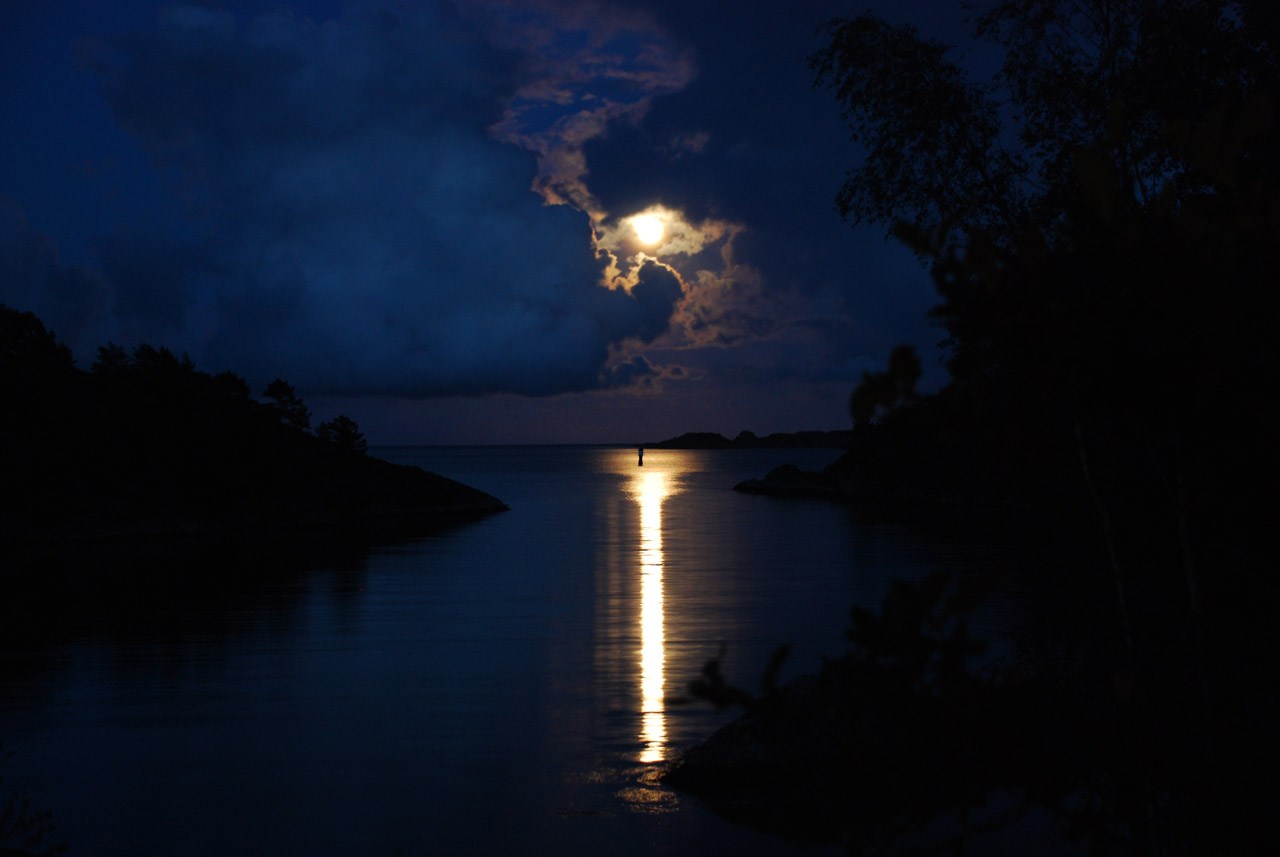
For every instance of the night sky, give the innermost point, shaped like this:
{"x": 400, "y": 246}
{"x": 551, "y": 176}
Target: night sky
{"x": 432, "y": 216}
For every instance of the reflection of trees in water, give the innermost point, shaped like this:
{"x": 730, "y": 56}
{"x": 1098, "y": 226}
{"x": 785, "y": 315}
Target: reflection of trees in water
{"x": 186, "y": 603}
{"x": 169, "y": 596}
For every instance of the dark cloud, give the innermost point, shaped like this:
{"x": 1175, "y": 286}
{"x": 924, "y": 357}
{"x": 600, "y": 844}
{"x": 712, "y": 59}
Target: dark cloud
{"x": 656, "y": 292}
{"x": 637, "y": 371}
{"x": 585, "y": 65}
{"x": 72, "y": 301}
{"x": 365, "y": 231}
{"x": 154, "y": 282}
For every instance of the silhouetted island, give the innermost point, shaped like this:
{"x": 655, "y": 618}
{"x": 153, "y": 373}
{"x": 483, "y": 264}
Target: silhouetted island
{"x": 144, "y": 446}
{"x": 749, "y": 440}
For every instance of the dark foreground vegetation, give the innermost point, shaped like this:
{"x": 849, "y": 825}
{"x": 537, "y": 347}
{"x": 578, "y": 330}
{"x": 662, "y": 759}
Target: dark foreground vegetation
{"x": 144, "y": 446}
{"x": 1103, "y": 226}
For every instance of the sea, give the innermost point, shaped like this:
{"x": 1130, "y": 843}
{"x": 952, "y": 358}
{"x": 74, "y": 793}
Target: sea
{"x": 515, "y": 685}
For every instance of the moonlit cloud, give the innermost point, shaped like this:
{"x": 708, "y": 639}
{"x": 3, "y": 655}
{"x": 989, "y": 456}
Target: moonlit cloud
{"x": 586, "y": 66}
{"x": 365, "y": 230}
{"x": 680, "y": 236}
{"x": 724, "y": 301}
{"x": 591, "y": 67}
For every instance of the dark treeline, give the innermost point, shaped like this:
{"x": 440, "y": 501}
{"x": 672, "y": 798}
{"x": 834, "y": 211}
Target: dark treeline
{"x": 144, "y": 444}
{"x": 1102, "y": 221}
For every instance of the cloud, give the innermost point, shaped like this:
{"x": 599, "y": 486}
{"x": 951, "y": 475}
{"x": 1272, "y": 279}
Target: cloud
{"x": 657, "y": 291}
{"x": 154, "y": 283}
{"x": 635, "y": 371}
{"x": 686, "y": 144}
{"x": 72, "y": 301}
{"x": 747, "y": 157}
{"x": 365, "y": 232}
{"x": 585, "y": 66}
{"x": 591, "y": 67}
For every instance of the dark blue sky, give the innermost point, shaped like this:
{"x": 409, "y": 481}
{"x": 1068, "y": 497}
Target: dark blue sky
{"x": 418, "y": 212}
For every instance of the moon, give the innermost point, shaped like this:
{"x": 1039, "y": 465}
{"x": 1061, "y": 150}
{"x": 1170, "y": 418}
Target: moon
{"x": 648, "y": 229}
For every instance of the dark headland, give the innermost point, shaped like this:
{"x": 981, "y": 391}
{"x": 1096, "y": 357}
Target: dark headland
{"x": 144, "y": 447}
{"x": 877, "y": 468}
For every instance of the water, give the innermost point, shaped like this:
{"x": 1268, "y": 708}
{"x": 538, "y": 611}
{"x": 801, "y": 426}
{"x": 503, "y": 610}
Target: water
{"x": 510, "y": 686}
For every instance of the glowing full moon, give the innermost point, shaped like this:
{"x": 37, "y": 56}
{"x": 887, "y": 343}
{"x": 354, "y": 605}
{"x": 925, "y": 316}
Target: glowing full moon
{"x": 648, "y": 228}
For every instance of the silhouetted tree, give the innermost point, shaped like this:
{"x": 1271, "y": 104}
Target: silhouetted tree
{"x": 948, "y": 154}
{"x": 932, "y": 138}
{"x": 1102, "y": 220}
{"x": 287, "y": 405}
{"x": 26, "y": 346}
{"x": 231, "y": 384}
{"x": 343, "y": 431}
{"x": 160, "y": 362}
{"x": 882, "y": 392}
{"x": 111, "y": 358}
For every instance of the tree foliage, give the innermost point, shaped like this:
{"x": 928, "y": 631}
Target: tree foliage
{"x": 288, "y": 405}
{"x": 343, "y": 432}
{"x": 1102, "y": 222}
{"x": 1112, "y": 78}
{"x": 1100, "y": 215}
{"x": 931, "y": 137}
{"x": 27, "y": 346}
{"x": 145, "y": 359}
{"x": 881, "y": 392}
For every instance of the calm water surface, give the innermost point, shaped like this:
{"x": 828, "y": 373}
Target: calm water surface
{"x": 511, "y": 686}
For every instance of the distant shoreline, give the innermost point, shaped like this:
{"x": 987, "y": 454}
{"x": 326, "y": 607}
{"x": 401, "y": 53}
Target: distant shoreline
{"x": 840, "y": 439}
{"x": 836, "y": 439}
